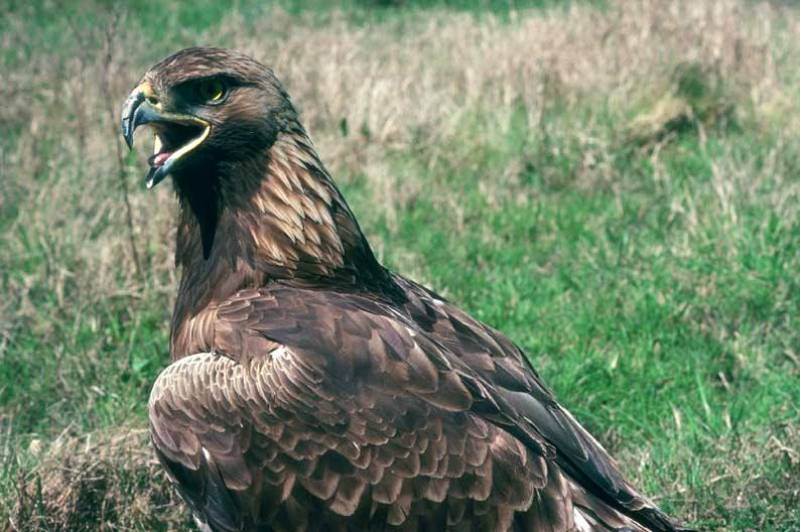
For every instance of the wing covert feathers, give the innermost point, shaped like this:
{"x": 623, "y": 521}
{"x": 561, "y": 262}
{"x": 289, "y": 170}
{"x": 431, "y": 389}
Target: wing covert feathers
{"x": 325, "y": 410}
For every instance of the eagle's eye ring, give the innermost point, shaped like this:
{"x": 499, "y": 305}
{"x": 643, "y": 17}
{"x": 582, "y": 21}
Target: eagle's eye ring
{"x": 210, "y": 91}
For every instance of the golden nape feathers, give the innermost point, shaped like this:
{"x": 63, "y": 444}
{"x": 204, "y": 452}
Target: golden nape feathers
{"x": 311, "y": 388}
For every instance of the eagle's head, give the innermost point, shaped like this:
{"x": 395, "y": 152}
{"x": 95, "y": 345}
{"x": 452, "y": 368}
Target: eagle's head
{"x": 206, "y": 106}
{"x": 244, "y": 169}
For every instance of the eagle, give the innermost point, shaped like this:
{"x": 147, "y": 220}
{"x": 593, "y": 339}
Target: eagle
{"x": 310, "y": 388}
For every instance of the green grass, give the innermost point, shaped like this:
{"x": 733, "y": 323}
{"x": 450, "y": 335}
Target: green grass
{"x": 651, "y": 278}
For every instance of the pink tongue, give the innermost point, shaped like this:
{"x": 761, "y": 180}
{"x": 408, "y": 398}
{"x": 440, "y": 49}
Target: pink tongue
{"x": 161, "y": 158}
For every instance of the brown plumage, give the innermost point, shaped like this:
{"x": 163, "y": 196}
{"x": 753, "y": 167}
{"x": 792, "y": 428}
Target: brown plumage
{"x": 311, "y": 388}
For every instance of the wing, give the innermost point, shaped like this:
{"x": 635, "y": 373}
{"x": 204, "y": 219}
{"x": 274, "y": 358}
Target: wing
{"x": 341, "y": 414}
{"x": 324, "y": 409}
{"x": 499, "y": 361}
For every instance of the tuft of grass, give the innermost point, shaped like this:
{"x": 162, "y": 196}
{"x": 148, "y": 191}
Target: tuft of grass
{"x": 617, "y": 184}
{"x": 96, "y": 481}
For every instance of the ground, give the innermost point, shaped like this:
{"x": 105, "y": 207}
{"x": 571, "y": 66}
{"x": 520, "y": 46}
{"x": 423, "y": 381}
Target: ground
{"x": 612, "y": 184}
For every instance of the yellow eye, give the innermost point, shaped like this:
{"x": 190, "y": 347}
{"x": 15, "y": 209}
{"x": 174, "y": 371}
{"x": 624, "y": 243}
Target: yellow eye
{"x": 211, "y": 91}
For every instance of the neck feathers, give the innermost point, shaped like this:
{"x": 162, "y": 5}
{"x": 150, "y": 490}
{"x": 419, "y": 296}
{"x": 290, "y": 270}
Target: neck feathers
{"x": 277, "y": 217}
{"x": 296, "y": 218}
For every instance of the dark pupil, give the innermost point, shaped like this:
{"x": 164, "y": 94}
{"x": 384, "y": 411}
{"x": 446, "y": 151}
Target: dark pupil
{"x": 208, "y": 90}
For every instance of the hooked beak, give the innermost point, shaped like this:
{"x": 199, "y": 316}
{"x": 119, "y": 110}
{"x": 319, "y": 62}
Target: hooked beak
{"x": 176, "y": 134}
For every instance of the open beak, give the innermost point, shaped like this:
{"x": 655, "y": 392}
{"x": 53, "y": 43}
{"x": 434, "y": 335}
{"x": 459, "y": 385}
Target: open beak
{"x": 176, "y": 135}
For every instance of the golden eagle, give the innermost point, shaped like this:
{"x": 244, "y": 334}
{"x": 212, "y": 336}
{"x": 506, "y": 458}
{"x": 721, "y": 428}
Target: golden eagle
{"x": 311, "y": 388}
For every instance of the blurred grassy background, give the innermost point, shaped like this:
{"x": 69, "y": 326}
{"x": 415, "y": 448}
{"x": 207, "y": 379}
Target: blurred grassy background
{"x": 613, "y": 184}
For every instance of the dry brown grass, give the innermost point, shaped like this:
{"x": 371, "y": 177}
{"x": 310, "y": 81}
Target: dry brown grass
{"x": 102, "y": 481}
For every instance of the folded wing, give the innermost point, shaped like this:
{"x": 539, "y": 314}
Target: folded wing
{"x": 336, "y": 408}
